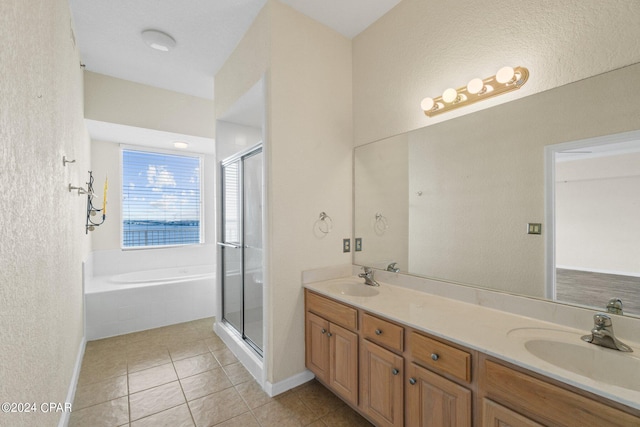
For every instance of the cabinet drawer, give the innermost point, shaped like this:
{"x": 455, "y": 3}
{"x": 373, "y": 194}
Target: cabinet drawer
{"x": 383, "y": 332}
{"x": 333, "y": 311}
{"x": 441, "y": 357}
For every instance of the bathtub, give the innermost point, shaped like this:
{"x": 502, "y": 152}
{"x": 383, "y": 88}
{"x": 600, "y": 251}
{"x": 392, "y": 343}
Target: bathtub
{"x": 139, "y": 300}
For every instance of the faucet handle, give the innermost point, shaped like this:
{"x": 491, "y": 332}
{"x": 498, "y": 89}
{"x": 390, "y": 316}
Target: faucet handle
{"x": 602, "y": 320}
{"x": 614, "y": 306}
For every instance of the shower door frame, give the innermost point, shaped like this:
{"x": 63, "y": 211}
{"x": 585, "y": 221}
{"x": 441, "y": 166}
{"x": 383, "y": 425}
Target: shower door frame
{"x": 238, "y": 157}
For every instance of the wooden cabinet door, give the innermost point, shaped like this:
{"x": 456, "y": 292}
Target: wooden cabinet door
{"x": 434, "y": 401}
{"x": 317, "y": 346}
{"x": 381, "y": 388}
{"x": 343, "y": 363}
{"x": 494, "y": 415}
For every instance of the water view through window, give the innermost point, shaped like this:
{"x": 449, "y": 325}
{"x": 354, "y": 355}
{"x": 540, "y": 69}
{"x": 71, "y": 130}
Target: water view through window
{"x": 160, "y": 199}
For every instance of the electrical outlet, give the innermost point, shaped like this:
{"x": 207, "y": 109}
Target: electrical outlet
{"x": 346, "y": 245}
{"x": 358, "y": 244}
{"x": 534, "y": 228}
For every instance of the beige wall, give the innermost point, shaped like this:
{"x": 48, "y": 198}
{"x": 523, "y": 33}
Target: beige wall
{"x": 112, "y": 100}
{"x": 421, "y": 47}
{"x": 598, "y": 214}
{"x": 42, "y": 238}
{"x": 308, "y": 159}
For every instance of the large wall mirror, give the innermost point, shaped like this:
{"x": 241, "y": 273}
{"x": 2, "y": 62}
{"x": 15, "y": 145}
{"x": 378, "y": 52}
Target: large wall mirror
{"x": 453, "y": 201}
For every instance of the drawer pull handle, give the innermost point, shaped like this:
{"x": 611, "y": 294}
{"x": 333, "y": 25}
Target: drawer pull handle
{"x": 434, "y": 356}
{"x": 412, "y": 381}
{"x": 329, "y": 334}
{"x": 378, "y": 332}
{"x": 324, "y": 331}
{"x": 395, "y": 371}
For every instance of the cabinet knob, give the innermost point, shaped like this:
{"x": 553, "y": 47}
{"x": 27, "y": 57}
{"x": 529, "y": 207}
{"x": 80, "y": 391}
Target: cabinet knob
{"x": 434, "y": 356}
{"x": 395, "y": 371}
{"x": 324, "y": 331}
{"x": 412, "y": 381}
{"x": 329, "y": 334}
{"x": 378, "y": 332}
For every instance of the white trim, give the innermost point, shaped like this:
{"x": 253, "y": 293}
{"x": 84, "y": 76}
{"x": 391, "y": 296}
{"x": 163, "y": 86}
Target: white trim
{"x": 71, "y": 394}
{"x": 287, "y": 384}
{"x": 597, "y": 270}
{"x": 247, "y": 356}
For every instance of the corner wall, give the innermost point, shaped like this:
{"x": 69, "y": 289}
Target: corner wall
{"x": 42, "y": 237}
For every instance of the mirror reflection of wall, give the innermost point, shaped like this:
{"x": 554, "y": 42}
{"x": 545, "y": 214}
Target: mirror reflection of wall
{"x": 597, "y": 225}
{"x": 481, "y": 179}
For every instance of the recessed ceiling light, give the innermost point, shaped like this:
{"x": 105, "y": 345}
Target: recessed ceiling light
{"x": 180, "y": 144}
{"x": 158, "y": 40}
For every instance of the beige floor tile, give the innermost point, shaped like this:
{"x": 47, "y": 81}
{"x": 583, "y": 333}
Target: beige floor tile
{"x": 215, "y": 343}
{"x": 112, "y": 413}
{"x": 174, "y": 417}
{"x": 245, "y": 420}
{"x": 152, "y": 377}
{"x": 154, "y": 400}
{"x": 218, "y": 407}
{"x": 237, "y": 373}
{"x": 285, "y": 411}
{"x": 208, "y": 382}
{"x": 94, "y": 371}
{"x": 225, "y": 356}
{"x": 203, "y": 325}
{"x": 318, "y": 423}
{"x": 195, "y": 365}
{"x": 149, "y": 358}
{"x": 103, "y": 391}
{"x": 318, "y": 398}
{"x": 253, "y": 394}
{"x": 183, "y": 351}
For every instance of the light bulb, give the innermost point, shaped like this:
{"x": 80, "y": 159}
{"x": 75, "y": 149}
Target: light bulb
{"x": 180, "y": 144}
{"x": 449, "y": 95}
{"x": 505, "y": 75}
{"x": 475, "y": 86}
{"x": 427, "y": 104}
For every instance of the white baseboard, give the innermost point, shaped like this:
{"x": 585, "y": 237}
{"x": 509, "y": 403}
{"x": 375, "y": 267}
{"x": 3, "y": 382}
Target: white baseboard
{"x": 595, "y": 270}
{"x": 274, "y": 389}
{"x": 249, "y": 359}
{"x": 71, "y": 394}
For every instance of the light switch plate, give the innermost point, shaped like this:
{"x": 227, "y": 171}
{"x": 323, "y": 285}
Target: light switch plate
{"x": 358, "y": 244}
{"x": 534, "y": 228}
{"x": 346, "y": 245}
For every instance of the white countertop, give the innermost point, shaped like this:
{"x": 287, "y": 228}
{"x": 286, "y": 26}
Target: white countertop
{"x": 487, "y": 330}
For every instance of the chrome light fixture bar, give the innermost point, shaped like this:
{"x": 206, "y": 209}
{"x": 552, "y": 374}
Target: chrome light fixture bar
{"x": 505, "y": 80}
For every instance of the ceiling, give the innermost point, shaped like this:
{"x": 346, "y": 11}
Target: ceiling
{"x": 206, "y": 33}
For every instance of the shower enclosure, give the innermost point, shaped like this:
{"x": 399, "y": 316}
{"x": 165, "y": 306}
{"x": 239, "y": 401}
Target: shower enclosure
{"x": 241, "y": 245}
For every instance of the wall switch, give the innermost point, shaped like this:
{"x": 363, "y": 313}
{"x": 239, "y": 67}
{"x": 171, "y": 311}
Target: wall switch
{"x": 346, "y": 245}
{"x": 358, "y": 244}
{"x": 534, "y": 228}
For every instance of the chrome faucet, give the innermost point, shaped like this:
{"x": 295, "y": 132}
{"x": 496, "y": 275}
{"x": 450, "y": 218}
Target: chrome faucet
{"x": 615, "y": 306}
{"x": 393, "y": 267}
{"x": 602, "y": 334}
{"x": 368, "y": 277}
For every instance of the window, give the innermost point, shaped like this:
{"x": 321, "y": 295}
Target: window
{"x": 160, "y": 199}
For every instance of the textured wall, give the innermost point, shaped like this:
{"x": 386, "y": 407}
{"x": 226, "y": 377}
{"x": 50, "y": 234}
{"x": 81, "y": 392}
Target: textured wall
{"x": 42, "y": 239}
{"x": 421, "y": 47}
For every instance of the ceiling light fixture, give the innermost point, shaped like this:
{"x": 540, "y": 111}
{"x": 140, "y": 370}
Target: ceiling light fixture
{"x": 180, "y": 144}
{"x": 158, "y": 40}
{"x": 505, "y": 80}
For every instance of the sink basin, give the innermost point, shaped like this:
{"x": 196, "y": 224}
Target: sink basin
{"x": 354, "y": 288}
{"x": 565, "y": 350}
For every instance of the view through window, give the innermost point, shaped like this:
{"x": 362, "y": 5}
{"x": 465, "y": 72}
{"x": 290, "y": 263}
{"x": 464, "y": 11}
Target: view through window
{"x": 160, "y": 199}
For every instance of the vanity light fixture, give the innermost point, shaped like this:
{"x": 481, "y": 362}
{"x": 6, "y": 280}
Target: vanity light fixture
{"x": 180, "y": 144}
{"x": 505, "y": 80}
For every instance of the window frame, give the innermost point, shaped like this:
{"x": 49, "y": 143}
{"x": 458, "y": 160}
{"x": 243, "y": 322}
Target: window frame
{"x": 152, "y": 150}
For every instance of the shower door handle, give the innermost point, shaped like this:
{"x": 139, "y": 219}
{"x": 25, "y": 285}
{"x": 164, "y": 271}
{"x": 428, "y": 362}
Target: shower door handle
{"x": 229, "y": 245}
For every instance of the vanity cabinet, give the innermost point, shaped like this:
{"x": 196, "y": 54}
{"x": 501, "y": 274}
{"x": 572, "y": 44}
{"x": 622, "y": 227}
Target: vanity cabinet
{"x": 381, "y": 371}
{"x": 332, "y": 350}
{"x": 516, "y": 398}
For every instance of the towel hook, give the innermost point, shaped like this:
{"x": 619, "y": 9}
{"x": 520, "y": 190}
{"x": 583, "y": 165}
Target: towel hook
{"x": 324, "y": 223}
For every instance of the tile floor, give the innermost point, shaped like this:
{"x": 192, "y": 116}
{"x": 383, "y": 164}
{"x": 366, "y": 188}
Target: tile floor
{"x": 184, "y": 375}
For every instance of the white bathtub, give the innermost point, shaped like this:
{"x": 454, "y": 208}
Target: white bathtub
{"x": 135, "y": 301}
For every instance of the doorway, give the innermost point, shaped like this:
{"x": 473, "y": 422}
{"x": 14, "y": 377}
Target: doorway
{"x": 241, "y": 245}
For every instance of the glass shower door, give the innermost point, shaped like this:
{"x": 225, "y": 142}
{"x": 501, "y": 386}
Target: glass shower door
{"x": 241, "y": 246}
